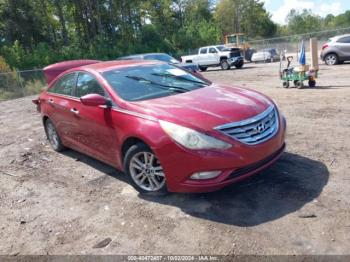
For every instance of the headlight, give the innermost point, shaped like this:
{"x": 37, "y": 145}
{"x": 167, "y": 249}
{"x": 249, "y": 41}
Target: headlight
{"x": 192, "y": 139}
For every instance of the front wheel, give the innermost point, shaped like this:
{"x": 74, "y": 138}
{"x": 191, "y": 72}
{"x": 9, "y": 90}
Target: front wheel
{"x": 53, "y": 136}
{"x": 144, "y": 169}
{"x": 239, "y": 65}
{"x": 224, "y": 64}
{"x": 285, "y": 84}
{"x": 203, "y": 68}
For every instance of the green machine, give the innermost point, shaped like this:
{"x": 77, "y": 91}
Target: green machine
{"x": 297, "y": 75}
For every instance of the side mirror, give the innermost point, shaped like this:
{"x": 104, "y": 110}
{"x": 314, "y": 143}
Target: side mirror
{"x": 94, "y": 100}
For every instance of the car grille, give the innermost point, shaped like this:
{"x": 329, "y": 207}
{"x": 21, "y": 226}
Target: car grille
{"x": 235, "y": 54}
{"x": 253, "y": 130}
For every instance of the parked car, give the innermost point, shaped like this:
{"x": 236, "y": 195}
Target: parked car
{"x": 162, "y": 57}
{"x": 220, "y": 55}
{"x": 164, "y": 127}
{"x": 336, "y": 50}
{"x": 266, "y": 55}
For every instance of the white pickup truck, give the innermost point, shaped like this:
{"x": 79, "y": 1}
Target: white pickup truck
{"x": 218, "y": 55}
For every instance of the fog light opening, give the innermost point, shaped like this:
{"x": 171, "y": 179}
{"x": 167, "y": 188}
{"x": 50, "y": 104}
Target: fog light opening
{"x": 205, "y": 175}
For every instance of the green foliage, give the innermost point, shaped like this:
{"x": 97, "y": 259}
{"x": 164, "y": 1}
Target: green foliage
{"x": 35, "y": 33}
{"x": 302, "y": 22}
{"x": 9, "y": 85}
{"x": 244, "y": 16}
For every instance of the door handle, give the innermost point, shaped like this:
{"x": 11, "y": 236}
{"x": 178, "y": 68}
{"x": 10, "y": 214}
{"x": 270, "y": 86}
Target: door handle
{"x": 74, "y": 111}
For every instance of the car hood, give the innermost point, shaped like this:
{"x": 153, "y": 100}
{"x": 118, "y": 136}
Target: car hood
{"x": 207, "y": 107}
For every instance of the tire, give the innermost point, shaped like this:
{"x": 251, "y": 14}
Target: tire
{"x": 285, "y": 84}
{"x": 224, "y": 64}
{"x": 53, "y": 137}
{"x": 203, "y": 68}
{"x": 239, "y": 65}
{"x": 331, "y": 59}
{"x": 144, "y": 170}
{"x": 299, "y": 84}
{"x": 312, "y": 83}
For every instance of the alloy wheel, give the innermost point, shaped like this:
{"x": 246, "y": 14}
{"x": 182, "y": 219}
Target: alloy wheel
{"x": 331, "y": 59}
{"x": 146, "y": 171}
{"x": 52, "y": 135}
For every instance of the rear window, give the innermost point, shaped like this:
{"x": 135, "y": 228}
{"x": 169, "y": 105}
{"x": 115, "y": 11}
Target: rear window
{"x": 161, "y": 57}
{"x": 151, "y": 81}
{"x": 344, "y": 40}
{"x": 64, "y": 86}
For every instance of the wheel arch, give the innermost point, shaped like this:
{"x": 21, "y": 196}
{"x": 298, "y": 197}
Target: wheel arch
{"x": 330, "y": 53}
{"x": 223, "y": 57}
{"x": 129, "y": 142}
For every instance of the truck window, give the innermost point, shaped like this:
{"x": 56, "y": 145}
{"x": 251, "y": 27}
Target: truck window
{"x": 203, "y": 51}
{"x": 212, "y": 50}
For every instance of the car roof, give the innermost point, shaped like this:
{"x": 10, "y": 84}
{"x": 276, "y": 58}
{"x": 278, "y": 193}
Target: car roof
{"x": 339, "y": 36}
{"x": 136, "y": 55}
{"x": 110, "y": 65}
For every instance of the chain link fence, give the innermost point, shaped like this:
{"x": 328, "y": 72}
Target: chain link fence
{"x": 17, "y": 84}
{"x": 290, "y": 45}
{"x": 28, "y": 82}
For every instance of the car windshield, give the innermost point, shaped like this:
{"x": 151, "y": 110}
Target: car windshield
{"x": 145, "y": 82}
{"x": 222, "y": 48}
{"x": 161, "y": 57}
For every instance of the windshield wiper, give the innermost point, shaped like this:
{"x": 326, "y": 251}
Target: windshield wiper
{"x": 181, "y": 78}
{"x": 161, "y": 86}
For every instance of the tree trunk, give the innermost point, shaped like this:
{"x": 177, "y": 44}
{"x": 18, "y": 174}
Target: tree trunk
{"x": 62, "y": 21}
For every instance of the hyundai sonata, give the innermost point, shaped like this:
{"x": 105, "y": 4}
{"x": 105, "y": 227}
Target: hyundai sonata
{"x": 166, "y": 128}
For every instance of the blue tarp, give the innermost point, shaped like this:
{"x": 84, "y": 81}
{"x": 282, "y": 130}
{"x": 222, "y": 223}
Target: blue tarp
{"x": 302, "y": 58}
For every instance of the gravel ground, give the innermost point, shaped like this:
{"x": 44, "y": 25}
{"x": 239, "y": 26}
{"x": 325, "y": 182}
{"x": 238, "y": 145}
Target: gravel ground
{"x": 68, "y": 203}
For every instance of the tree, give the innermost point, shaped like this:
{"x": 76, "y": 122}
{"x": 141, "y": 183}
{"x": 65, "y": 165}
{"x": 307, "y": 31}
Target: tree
{"x": 244, "y": 16}
{"x": 303, "y": 22}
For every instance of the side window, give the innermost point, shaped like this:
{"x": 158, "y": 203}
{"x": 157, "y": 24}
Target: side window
{"x": 344, "y": 40}
{"x": 87, "y": 84}
{"x": 64, "y": 85}
{"x": 203, "y": 51}
{"x": 212, "y": 50}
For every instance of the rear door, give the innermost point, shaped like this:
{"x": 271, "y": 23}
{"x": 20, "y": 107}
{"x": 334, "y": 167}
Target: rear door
{"x": 203, "y": 56}
{"x": 95, "y": 133}
{"x": 58, "y": 104}
{"x": 213, "y": 58}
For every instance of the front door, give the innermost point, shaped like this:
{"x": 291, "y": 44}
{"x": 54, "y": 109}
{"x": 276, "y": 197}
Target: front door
{"x": 96, "y": 134}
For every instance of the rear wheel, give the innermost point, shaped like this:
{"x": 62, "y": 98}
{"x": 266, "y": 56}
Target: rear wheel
{"x": 224, "y": 64}
{"x": 312, "y": 83}
{"x": 53, "y": 136}
{"x": 299, "y": 84}
{"x": 203, "y": 68}
{"x": 331, "y": 59}
{"x": 144, "y": 169}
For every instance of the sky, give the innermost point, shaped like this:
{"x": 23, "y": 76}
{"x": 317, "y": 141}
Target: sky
{"x": 279, "y": 9}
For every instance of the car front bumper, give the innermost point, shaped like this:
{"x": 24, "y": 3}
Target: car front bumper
{"x": 233, "y": 61}
{"x": 235, "y": 164}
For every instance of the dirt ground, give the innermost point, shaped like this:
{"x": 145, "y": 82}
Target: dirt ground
{"x": 52, "y": 203}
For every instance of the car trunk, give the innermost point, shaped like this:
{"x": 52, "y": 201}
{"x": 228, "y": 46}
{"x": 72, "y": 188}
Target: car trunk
{"x": 52, "y": 71}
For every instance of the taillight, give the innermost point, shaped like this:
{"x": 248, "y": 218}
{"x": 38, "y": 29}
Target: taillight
{"x": 324, "y": 46}
{"x": 37, "y": 103}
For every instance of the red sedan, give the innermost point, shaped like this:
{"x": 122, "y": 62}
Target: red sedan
{"x": 166, "y": 128}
